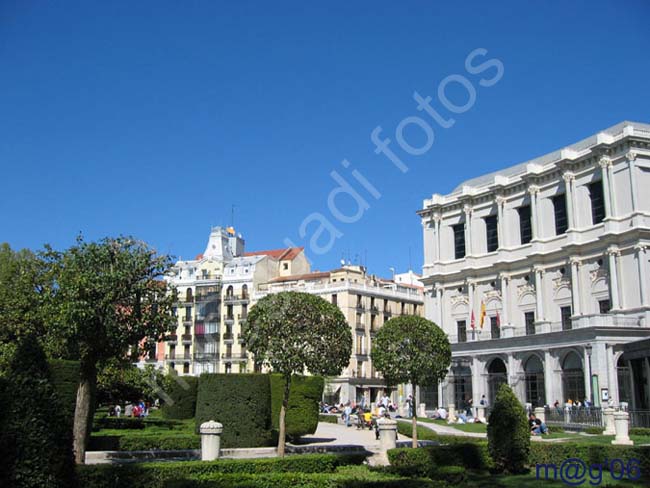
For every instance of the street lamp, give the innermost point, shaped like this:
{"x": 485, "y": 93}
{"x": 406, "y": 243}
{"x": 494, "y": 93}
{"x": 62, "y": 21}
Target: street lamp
{"x": 588, "y": 349}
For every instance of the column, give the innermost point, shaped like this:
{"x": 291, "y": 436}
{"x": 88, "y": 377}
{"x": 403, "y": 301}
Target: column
{"x": 613, "y": 253}
{"x": 468, "y": 229}
{"x": 642, "y": 261}
{"x": 477, "y": 390}
{"x": 631, "y": 157}
{"x": 470, "y": 296}
{"x": 436, "y": 237}
{"x": 439, "y": 304}
{"x": 533, "y": 190}
{"x": 505, "y": 300}
{"x": 551, "y": 394}
{"x": 605, "y": 163}
{"x": 570, "y": 207}
{"x": 612, "y": 386}
{"x": 587, "y": 376}
{"x": 575, "y": 285}
{"x": 539, "y": 293}
{"x": 500, "y": 222}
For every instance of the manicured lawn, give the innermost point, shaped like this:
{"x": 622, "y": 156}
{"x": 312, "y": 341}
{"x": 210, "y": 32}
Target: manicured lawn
{"x": 479, "y": 428}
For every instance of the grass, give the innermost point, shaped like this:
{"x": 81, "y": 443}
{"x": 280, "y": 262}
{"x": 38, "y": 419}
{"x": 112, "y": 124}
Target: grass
{"x": 171, "y": 428}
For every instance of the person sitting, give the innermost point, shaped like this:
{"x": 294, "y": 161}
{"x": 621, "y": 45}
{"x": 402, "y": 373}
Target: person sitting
{"x": 537, "y": 427}
{"x": 367, "y": 418}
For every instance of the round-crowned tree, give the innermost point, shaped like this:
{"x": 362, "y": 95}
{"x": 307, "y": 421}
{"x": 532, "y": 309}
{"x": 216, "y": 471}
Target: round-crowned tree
{"x": 508, "y": 432}
{"x": 291, "y": 332}
{"x": 410, "y": 349}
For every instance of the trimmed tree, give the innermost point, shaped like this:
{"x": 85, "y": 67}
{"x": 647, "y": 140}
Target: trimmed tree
{"x": 508, "y": 432}
{"x": 410, "y": 349}
{"x": 109, "y": 297}
{"x": 291, "y": 332}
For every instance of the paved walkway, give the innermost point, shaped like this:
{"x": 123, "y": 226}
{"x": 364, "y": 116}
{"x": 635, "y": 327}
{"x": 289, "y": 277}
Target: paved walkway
{"x": 339, "y": 435}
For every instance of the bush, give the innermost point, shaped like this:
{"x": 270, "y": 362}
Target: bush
{"x": 302, "y": 412}
{"x": 182, "y": 391}
{"x": 328, "y": 418}
{"x": 594, "y": 430}
{"x": 241, "y": 402}
{"x": 65, "y": 380}
{"x": 155, "y": 475}
{"x": 127, "y": 423}
{"x": 158, "y": 442}
{"x": 36, "y": 446}
{"x": 425, "y": 461}
{"x": 451, "y": 474}
{"x": 508, "y": 433}
{"x": 640, "y": 431}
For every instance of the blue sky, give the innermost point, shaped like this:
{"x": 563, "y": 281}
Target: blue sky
{"x": 153, "y": 118}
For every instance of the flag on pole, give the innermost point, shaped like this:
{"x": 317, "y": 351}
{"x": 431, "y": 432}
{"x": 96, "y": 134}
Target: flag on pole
{"x": 473, "y": 322}
{"x": 498, "y": 319}
{"x": 483, "y": 313}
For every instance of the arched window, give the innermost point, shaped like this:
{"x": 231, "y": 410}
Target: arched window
{"x": 497, "y": 376}
{"x": 188, "y": 295}
{"x": 244, "y": 291}
{"x": 462, "y": 384}
{"x": 534, "y": 374}
{"x": 624, "y": 381}
{"x": 573, "y": 378}
{"x": 229, "y": 291}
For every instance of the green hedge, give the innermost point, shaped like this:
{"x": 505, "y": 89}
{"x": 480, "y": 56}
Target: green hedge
{"x": 302, "y": 480}
{"x": 158, "y": 442}
{"x": 640, "y": 431}
{"x": 127, "y": 423}
{"x": 241, "y": 402}
{"x": 64, "y": 376}
{"x": 328, "y": 418}
{"x": 155, "y": 475}
{"x": 182, "y": 391}
{"x": 302, "y": 413}
{"x": 474, "y": 455}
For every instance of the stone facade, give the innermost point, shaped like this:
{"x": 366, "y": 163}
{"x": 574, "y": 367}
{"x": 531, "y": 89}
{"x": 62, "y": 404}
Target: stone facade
{"x": 549, "y": 262}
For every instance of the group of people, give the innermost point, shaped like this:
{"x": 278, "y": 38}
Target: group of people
{"x": 140, "y": 409}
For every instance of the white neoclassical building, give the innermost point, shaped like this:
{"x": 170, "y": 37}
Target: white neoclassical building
{"x": 539, "y": 274}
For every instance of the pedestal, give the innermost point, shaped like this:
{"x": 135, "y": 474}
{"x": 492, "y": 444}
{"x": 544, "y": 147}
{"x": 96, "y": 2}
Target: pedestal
{"x": 422, "y": 410}
{"x": 608, "y": 417}
{"x": 387, "y": 433}
{"x": 622, "y": 422}
{"x": 480, "y": 413}
{"x": 540, "y": 413}
{"x": 452, "y": 413}
{"x": 210, "y": 440}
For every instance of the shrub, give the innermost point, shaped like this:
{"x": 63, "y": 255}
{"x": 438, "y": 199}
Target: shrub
{"x": 158, "y": 442}
{"x": 127, "y": 423}
{"x": 328, "y": 418}
{"x": 241, "y": 402}
{"x": 424, "y": 461}
{"x": 182, "y": 391}
{"x": 594, "y": 430}
{"x": 451, "y": 474}
{"x": 302, "y": 412}
{"x": 155, "y": 475}
{"x": 36, "y": 446}
{"x": 508, "y": 433}
{"x": 65, "y": 380}
{"x": 645, "y": 431}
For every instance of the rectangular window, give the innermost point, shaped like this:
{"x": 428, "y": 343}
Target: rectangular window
{"x": 529, "y": 320}
{"x": 491, "y": 233}
{"x": 459, "y": 241}
{"x": 525, "y": 228}
{"x": 494, "y": 328}
{"x": 559, "y": 209}
{"x": 462, "y": 330}
{"x": 565, "y": 312}
{"x": 597, "y": 202}
{"x": 334, "y": 299}
{"x": 604, "y": 306}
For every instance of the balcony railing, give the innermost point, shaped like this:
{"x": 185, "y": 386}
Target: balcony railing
{"x": 228, "y": 336}
{"x": 240, "y": 337}
{"x": 360, "y": 308}
{"x": 388, "y": 313}
{"x": 203, "y": 356}
{"x": 374, "y": 310}
{"x": 172, "y": 338}
{"x": 231, "y": 356}
{"x": 359, "y": 326}
{"x": 236, "y": 298}
{"x": 187, "y": 318}
{"x": 229, "y": 319}
{"x": 186, "y": 337}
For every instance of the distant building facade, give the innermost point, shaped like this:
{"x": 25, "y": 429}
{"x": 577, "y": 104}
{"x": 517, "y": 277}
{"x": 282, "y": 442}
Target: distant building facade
{"x": 539, "y": 274}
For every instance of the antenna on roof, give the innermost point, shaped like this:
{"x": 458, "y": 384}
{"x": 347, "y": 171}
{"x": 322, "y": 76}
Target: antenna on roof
{"x": 410, "y": 258}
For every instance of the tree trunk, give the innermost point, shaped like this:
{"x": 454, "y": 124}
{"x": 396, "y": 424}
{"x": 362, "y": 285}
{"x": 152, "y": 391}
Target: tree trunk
{"x": 283, "y": 412}
{"x": 84, "y": 410}
{"x": 414, "y": 433}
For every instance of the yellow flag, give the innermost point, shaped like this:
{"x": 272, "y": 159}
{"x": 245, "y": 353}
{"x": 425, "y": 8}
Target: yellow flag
{"x": 482, "y": 314}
